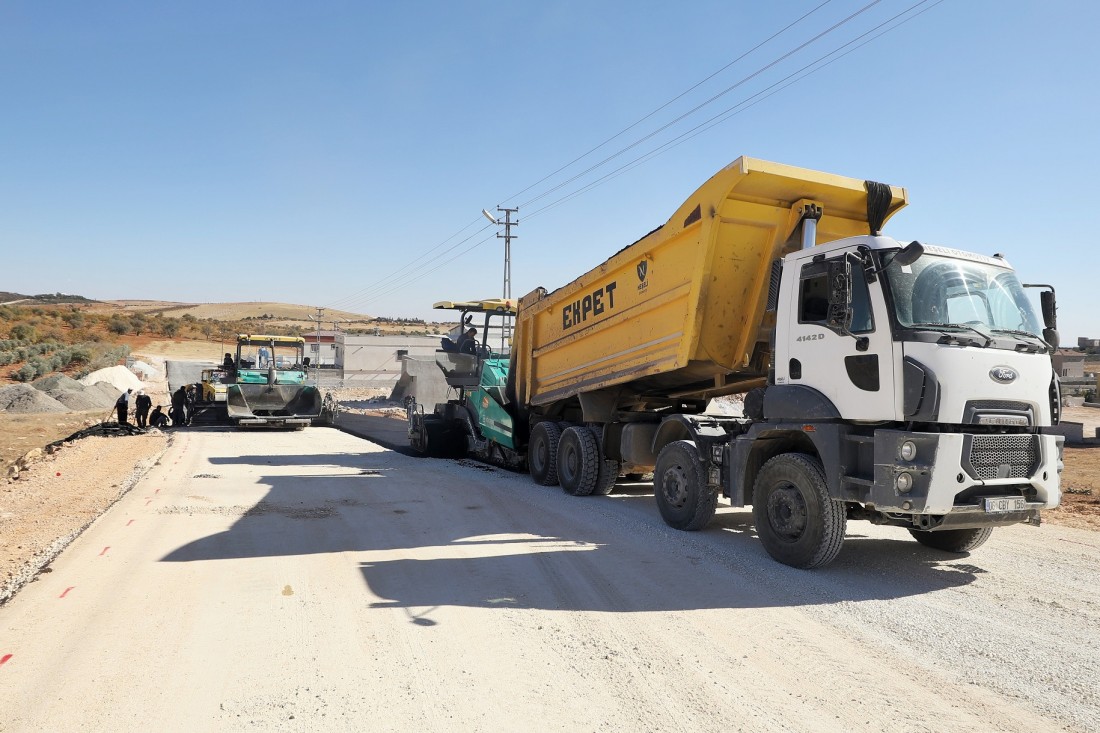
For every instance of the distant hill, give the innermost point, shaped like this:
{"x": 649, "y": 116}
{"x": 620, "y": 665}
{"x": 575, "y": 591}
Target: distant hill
{"x": 261, "y": 311}
{"x": 47, "y": 298}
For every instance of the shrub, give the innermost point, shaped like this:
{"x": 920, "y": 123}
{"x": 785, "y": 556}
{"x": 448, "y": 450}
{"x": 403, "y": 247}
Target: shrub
{"x": 41, "y": 365}
{"x": 80, "y": 354}
{"x": 23, "y": 332}
{"x": 119, "y": 326}
{"x": 26, "y": 373}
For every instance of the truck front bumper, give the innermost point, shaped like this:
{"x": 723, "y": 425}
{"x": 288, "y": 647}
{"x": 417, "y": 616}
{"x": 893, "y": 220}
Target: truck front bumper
{"x": 966, "y": 474}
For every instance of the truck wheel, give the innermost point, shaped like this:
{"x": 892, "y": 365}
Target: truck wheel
{"x": 609, "y": 469}
{"x": 578, "y": 461}
{"x": 799, "y": 524}
{"x": 542, "y": 453}
{"x": 953, "y": 540}
{"x": 680, "y": 487}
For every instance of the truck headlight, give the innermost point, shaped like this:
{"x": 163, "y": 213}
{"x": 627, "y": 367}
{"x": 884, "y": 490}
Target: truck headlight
{"x": 908, "y": 450}
{"x": 904, "y": 482}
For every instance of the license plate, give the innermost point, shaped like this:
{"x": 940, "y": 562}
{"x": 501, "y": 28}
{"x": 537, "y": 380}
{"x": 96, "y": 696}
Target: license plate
{"x": 1006, "y": 504}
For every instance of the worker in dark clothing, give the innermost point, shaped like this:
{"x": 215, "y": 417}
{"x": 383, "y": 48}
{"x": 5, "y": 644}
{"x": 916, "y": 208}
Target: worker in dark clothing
{"x": 158, "y": 419}
{"x": 227, "y": 362}
{"x": 122, "y": 406}
{"x": 467, "y": 342}
{"x": 142, "y": 403}
{"x": 179, "y": 407}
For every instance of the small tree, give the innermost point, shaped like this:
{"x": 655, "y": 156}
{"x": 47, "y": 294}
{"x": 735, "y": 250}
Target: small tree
{"x": 23, "y": 332}
{"x": 25, "y": 373}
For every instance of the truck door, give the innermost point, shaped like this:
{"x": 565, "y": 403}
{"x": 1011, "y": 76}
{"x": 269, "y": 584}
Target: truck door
{"x": 855, "y": 371}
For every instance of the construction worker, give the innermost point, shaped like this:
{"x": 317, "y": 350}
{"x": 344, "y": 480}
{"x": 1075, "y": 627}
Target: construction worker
{"x": 467, "y": 342}
{"x": 122, "y": 406}
{"x": 179, "y": 407}
{"x": 142, "y": 403}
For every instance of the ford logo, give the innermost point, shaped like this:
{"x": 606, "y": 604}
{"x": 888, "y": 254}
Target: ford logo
{"x": 1003, "y": 374}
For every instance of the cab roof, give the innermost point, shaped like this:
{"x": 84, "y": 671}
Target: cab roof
{"x": 492, "y": 305}
{"x": 256, "y": 338}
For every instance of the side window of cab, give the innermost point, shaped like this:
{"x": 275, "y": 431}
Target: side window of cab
{"x": 813, "y": 298}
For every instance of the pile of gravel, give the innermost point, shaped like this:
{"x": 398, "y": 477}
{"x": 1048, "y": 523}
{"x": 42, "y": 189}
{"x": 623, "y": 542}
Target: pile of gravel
{"x": 106, "y": 391}
{"x": 144, "y": 371}
{"x": 24, "y": 399}
{"x": 119, "y": 377}
{"x": 75, "y": 395}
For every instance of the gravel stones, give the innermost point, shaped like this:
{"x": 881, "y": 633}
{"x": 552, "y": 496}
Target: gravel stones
{"x": 119, "y": 377}
{"x": 23, "y": 398}
{"x": 74, "y": 395}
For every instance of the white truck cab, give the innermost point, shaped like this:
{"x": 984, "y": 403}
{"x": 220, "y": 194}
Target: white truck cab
{"x": 919, "y": 377}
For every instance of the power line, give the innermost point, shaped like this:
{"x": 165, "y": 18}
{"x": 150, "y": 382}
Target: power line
{"x": 674, "y": 99}
{"x": 741, "y": 106}
{"x": 396, "y": 280}
{"x": 358, "y": 295}
{"x": 695, "y": 109}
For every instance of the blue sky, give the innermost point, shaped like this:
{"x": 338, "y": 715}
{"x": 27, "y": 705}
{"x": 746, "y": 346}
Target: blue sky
{"x": 321, "y": 153}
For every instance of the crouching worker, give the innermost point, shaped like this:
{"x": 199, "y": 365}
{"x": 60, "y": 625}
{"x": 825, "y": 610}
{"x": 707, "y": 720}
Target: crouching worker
{"x": 157, "y": 418}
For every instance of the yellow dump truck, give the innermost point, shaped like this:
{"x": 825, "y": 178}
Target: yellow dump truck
{"x": 905, "y": 384}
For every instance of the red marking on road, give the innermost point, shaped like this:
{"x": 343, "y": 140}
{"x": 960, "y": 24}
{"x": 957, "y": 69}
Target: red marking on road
{"x": 129, "y": 523}
{"x": 148, "y": 502}
{"x": 104, "y": 550}
{"x": 66, "y": 591}
{"x": 4, "y": 658}
{"x": 157, "y": 491}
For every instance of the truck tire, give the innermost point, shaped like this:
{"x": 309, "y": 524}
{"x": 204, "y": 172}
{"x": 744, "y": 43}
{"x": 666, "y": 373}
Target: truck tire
{"x": 578, "y": 461}
{"x": 953, "y": 540}
{"x": 542, "y": 453}
{"x": 796, "y": 520}
{"x": 680, "y": 487}
{"x": 609, "y": 469}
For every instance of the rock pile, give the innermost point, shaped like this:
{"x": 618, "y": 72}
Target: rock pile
{"x": 23, "y": 398}
{"x": 74, "y": 395}
{"x": 119, "y": 377}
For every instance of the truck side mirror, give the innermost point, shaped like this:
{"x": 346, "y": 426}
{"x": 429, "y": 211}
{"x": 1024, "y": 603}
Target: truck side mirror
{"x": 840, "y": 295}
{"x": 910, "y": 253}
{"x": 1049, "y": 306}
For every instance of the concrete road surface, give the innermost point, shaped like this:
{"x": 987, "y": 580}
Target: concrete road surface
{"x": 312, "y": 581}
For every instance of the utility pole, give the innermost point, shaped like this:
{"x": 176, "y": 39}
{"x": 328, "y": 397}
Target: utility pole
{"x": 507, "y": 237}
{"x": 317, "y": 363}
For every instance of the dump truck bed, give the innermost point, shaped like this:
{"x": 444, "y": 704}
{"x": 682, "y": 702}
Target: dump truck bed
{"x": 682, "y": 311}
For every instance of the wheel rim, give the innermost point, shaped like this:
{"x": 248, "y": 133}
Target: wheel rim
{"x": 569, "y": 462}
{"x": 787, "y": 512}
{"x": 540, "y": 456}
{"x": 674, "y": 484}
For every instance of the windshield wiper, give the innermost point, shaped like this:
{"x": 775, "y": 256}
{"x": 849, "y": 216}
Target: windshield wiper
{"x": 964, "y": 326}
{"x": 1028, "y": 334}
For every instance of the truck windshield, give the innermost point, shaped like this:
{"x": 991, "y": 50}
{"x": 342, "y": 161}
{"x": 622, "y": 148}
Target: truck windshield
{"x": 261, "y": 355}
{"x": 949, "y": 292}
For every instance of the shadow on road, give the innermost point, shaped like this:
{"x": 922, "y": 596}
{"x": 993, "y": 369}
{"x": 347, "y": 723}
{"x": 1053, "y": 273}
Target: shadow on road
{"x": 433, "y": 533}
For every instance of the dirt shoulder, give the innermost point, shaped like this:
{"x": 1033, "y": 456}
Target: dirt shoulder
{"x": 54, "y": 499}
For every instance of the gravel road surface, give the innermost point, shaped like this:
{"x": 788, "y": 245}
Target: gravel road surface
{"x": 315, "y": 581}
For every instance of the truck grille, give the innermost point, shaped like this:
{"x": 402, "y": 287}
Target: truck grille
{"x": 1002, "y": 456}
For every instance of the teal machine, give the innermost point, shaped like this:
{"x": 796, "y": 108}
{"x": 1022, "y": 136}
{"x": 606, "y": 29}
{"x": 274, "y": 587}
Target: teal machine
{"x": 269, "y": 387}
{"x": 479, "y": 421}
